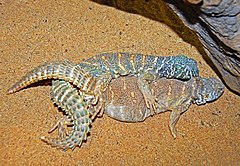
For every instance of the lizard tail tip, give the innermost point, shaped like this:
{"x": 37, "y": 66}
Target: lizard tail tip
{"x": 43, "y": 138}
{"x": 10, "y": 91}
{"x": 15, "y": 88}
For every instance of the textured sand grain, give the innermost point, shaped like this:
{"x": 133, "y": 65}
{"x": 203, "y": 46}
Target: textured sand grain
{"x": 34, "y": 32}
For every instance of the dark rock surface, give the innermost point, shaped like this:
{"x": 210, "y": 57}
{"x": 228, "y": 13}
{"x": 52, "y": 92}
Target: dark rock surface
{"x": 217, "y": 23}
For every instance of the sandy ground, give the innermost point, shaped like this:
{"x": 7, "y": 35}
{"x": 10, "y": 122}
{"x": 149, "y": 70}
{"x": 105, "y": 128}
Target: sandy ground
{"x": 34, "y": 32}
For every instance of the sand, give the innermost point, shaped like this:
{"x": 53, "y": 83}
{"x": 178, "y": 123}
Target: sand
{"x": 34, "y": 32}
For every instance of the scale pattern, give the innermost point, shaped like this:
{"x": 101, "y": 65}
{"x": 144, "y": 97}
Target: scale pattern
{"x": 67, "y": 97}
{"x": 124, "y": 102}
{"x": 121, "y": 63}
{"x": 57, "y": 70}
{"x": 147, "y": 68}
{"x": 93, "y": 76}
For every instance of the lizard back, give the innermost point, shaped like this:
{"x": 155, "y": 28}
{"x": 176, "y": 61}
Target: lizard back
{"x": 121, "y": 64}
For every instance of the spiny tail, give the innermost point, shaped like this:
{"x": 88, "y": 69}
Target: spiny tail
{"x": 67, "y": 97}
{"x": 56, "y": 70}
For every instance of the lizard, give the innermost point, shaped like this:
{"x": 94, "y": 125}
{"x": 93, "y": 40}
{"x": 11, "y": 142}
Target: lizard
{"x": 94, "y": 74}
{"x": 147, "y": 68}
{"x": 121, "y": 64}
{"x": 125, "y": 102}
{"x": 93, "y": 80}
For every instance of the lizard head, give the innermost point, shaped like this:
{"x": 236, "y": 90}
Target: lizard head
{"x": 187, "y": 67}
{"x": 209, "y": 89}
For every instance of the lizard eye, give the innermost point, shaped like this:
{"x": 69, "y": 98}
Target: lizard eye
{"x": 88, "y": 98}
{"x": 85, "y": 100}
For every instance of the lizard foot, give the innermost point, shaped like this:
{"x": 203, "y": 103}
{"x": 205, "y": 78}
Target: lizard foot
{"x": 174, "y": 117}
{"x": 62, "y": 124}
{"x": 151, "y": 102}
{"x": 174, "y": 132}
{"x": 98, "y": 109}
{"x": 148, "y": 94}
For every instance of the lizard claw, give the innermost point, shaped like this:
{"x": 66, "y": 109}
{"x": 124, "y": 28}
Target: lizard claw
{"x": 98, "y": 110}
{"x": 95, "y": 100}
{"x": 151, "y": 103}
{"x": 62, "y": 127}
{"x": 174, "y": 133}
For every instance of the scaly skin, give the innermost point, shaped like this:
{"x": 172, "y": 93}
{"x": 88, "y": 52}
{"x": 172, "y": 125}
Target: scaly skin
{"x": 124, "y": 102}
{"x": 122, "y": 64}
{"x": 78, "y": 116}
{"x": 147, "y": 68}
{"x": 57, "y": 70}
{"x": 92, "y": 80}
{"x": 94, "y": 75}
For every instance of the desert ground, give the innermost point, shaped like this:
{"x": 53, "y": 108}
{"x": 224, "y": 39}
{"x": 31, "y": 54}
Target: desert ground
{"x": 36, "y": 32}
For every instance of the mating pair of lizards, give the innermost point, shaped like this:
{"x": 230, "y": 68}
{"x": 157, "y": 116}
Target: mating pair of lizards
{"x": 84, "y": 90}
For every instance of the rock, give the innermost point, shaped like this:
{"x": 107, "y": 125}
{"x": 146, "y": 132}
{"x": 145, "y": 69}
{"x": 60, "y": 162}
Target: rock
{"x": 217, "y": 23}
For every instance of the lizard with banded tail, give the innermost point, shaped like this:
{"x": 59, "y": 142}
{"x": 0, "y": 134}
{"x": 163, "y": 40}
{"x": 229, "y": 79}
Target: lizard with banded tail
{"x": 151, "y": 68}
{"x": 94, "y": 74}
{"x": 93, "y": 80}
{"x": 124, "y": 101}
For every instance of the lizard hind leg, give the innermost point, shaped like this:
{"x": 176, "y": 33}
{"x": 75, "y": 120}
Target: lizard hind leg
{"x": 67, "y": 97}
{"x": 97, "y": 111}
{"x": 174, "y": 118}
{"x": 97, "y": 106}
{"x": 148, "y": 94}
{"x": 62, "y": 125}
{"x": 76, "y": 137}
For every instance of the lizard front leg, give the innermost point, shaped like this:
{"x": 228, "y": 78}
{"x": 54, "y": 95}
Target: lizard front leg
{"x": 98, "y": 102}
{"x": 174, "y": 117}
{"x": 148, "y": 94}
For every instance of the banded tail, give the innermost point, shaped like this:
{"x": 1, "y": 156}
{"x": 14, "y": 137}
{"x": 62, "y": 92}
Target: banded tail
{"x": 56, "y": 70}
{"x": 67, "y": 97}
